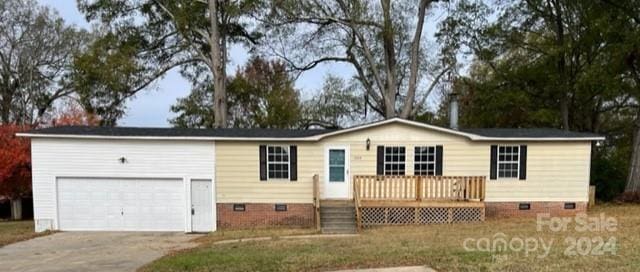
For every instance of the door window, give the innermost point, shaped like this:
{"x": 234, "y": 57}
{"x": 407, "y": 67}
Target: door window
{"x": 336, "y": 165}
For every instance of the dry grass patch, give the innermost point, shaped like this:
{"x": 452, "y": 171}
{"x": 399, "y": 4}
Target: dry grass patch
{"x": 437, "y": 246}
{"x": 16, "y": 231}
{"x": 221, "y": 235}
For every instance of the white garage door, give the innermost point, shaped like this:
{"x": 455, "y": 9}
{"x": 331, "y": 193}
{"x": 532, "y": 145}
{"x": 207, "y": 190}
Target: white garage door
{"x": 121, "y": 204}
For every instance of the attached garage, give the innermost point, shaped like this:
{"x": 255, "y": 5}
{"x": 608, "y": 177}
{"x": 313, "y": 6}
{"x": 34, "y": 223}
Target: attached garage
{"x": 124, "y": 184}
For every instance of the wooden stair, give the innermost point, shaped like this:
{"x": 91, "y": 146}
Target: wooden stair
{"x": 337, "y": 216}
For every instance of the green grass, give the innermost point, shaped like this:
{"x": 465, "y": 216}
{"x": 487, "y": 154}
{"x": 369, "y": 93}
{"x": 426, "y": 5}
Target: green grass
{"x": 437, "y": 246}
{"x": 15, "y": 231}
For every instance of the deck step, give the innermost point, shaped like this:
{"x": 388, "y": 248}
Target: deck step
{"x": 337, "y": 216}
{"x": 337, "y": 209}
{"x": 337, "y": 203}
{"x": 328, "y": 222}
{"x": 340, "y": 215}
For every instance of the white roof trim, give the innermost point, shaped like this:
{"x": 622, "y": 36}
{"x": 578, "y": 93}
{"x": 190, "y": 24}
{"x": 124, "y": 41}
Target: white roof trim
{"x": 470, "y": 136}
{"x": 177, "y": 138}
{"x": 398, "y": 120}
{"x": 473, "y": 137}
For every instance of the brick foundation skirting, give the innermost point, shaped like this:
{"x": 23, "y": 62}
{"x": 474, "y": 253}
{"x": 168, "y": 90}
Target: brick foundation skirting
{"x": 511, "y": 209}
{"x": 264, "y": 215}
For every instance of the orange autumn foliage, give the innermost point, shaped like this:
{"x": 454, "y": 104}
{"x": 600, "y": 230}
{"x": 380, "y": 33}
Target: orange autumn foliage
{"x": 15, "y": 162}
{"x": 75, "y": 116}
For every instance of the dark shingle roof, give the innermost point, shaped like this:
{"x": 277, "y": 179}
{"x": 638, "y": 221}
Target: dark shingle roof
{"x": 179, "y": 132}
{"x": 528, "y": 133}
{"x": 474, "y": 134}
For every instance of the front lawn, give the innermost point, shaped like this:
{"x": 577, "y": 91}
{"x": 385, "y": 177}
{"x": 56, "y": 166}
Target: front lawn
{"x": 15, "y": 231}
{"x": 438, "y": 246}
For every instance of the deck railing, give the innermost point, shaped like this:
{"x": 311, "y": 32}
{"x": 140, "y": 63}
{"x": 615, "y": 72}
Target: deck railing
{"x": 400, "y": 200}
{"x": 419, "y": 188}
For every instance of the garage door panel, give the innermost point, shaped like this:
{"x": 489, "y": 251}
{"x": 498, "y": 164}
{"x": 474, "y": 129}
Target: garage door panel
{"x": 121, "y": 204}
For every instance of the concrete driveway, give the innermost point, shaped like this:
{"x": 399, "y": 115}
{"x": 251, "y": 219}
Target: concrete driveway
{"x": 91, "y": 251}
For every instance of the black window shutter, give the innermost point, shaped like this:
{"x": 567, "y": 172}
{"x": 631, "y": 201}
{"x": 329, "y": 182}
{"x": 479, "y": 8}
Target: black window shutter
{"x": 438, "y": 160}
{"x": 263, "y": 162}
{"x": 380, "y": 161}
{"x": 293, "y": 162}
{"x": 523, "y": 162}
{"x": 493, "y": 171}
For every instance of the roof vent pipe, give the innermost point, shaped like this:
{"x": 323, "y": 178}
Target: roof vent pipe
{"x": 453, "y": 110}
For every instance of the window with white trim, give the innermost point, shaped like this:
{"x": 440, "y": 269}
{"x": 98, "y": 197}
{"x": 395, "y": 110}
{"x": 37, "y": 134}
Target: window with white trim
{"x": 278, "y": 162}
{"x": 424, "y": 161}
{"x": 508, "y": 161}
{"x": 394, "y": 160}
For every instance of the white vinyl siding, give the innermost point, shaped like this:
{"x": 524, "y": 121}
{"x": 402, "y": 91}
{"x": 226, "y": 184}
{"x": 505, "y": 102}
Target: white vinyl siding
{"x": 91, "y": 158}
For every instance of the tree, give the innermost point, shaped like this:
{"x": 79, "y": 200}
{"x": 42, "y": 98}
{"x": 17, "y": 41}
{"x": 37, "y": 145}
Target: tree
{"x": 72, "y": 114}
{"x": 337, "y": 105}
{"x": 195, "y": 110}
{"x": 36, "y": 50}
{"x": 15, "y": 167}
{"x": 554, "y": 48}
{"x": 380, "y": 41}
{"x": 143, "y": 40}
{"x": 625, "y": 28}
{"x": 566, "y": 64}
{"x": 261, "y": 94}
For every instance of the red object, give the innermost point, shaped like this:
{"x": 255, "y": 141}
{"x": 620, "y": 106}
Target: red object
{"x": 75, "y": 116}
{"x": 15, "y": 162}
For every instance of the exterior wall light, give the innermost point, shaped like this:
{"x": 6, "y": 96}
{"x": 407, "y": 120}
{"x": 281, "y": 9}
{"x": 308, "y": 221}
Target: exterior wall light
{"x": 368, "y": 144}
{"x": 122, "y": 160}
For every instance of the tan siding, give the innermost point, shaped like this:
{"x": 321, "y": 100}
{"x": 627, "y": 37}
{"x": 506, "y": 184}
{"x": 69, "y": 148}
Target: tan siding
{"x": 557, "y": 171}
{"x": 238, "y": 175}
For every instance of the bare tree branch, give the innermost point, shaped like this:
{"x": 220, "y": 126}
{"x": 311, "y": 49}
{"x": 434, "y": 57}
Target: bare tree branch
{"x": 414, "y": 57}
{"x": 433, "y": 84}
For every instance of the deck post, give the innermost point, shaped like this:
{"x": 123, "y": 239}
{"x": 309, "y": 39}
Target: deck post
{"x": 316, "y": 199}
{"x": 356, "y": 202}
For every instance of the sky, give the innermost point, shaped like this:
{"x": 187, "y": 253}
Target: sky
{"x": 151, "y": 107}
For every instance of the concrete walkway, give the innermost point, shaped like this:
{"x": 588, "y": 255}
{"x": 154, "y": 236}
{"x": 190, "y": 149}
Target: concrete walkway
{"x": 91, "y": 251}
{"x": 267, "y": 238}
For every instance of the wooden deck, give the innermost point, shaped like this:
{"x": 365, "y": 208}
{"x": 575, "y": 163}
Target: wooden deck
{"x": 402, "y": 200}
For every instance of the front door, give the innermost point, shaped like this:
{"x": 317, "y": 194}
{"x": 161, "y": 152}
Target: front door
{"x": 336, "y": 185}
{"x": 201, "y": 206}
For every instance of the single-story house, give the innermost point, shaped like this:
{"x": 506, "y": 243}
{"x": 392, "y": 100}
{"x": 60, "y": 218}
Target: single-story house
{"x": 196, "y": 180}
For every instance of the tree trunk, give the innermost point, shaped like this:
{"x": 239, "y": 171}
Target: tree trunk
{"x": 5, "y": 108}
{"x": 219, "y": 88}
{"x": 557, "y": 16}
{"x": 408, "y": 108}
{"x": 389, "y": 60}
{"x": 633, "y": 179}
{"x": 564, "y": 110}
{"x": 16, "y": 208}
